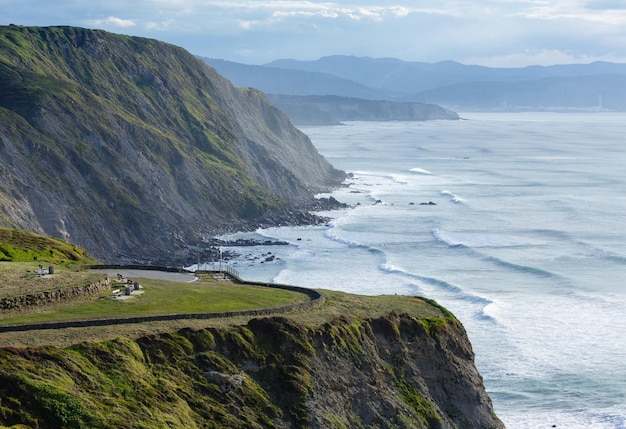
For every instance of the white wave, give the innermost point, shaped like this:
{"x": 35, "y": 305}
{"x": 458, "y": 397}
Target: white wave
{"x": 396, "y": 178}
{"x": 480, "y": 239}
{"x": 611, "y": 418}
{"x": 264, "y": 233}
{"x": 391, "y": 268}
{"x": 332, "y": 235}
{"x": 459, "y": 292}
{"x": 455, "y": 198}
{"x": 446, "y": 238}
{"x": 421, "y": 171}
{"x": 492, "y": 311}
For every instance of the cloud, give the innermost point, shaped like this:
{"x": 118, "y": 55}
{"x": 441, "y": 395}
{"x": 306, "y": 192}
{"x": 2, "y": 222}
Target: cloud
{"x": 112, "y": 21}
{"x": 309, "y": 9}
{"x": 159, "y": 26}
{"x": 605, "y": 4}
{"x": 542, "y": 57}
{"x": 257, "y": 31}
{"x": 609, "y": 13}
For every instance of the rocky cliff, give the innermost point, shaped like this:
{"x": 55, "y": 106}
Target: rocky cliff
{"x": 398, "y": 371}
{"x": 132, "y": 148}
{"x": 331, "y": 109}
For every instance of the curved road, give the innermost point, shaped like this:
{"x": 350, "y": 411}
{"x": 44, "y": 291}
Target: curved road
{"x": 148, "y": 274}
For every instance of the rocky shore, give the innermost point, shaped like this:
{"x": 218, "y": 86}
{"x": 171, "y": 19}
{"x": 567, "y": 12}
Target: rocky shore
{"x": 207, "y": 248}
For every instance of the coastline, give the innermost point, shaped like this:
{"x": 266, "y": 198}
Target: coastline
{"x": 207, "y": 246}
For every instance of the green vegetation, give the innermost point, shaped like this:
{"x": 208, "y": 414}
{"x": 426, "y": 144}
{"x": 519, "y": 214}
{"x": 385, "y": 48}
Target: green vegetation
{"x": 127, "y": 140}
{"x": 198, "y": 378}
{"x": 425, "y": 407}
{"x": 21, "y": 246}
{"x": 337, "y": 304}
{"x": 22, "y": 278}
{"x": 22, "y": 253}
{"x": 165, "y": 297}
{"x": 236, "y": 372}
{"x": 158, "y": 297}
{"x": 112, "y": 89}
{"x": 121, "y": 141}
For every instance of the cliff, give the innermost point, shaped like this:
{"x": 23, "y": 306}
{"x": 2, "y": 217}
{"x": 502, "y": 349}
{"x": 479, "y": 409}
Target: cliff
{"x": 133, "y": 148}
{"x": 332, "y": 109}
{"x": 397, "y": 371}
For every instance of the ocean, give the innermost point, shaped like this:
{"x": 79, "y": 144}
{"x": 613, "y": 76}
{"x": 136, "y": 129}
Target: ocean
{"x": 513, "y": 221}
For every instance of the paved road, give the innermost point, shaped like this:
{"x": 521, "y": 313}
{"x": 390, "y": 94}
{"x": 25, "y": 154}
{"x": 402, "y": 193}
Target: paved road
{"x": 149, "y": 274}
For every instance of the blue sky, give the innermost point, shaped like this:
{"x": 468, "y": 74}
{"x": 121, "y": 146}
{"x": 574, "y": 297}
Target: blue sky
{"x": 500, "y": 33}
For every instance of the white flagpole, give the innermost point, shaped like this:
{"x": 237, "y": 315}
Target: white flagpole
{"x": 221, "y": 250}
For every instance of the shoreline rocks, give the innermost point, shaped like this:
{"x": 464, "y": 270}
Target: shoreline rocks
{"x": 207, "y": 246}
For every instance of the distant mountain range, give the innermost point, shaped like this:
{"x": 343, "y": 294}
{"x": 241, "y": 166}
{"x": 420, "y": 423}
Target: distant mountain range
{"x": 455, "y": 86}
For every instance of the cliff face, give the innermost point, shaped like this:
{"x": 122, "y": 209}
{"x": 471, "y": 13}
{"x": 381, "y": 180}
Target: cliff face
{"x": 133, "y": 147}
{"x": 395, "y": 371}
{"x": 329, "y": 109}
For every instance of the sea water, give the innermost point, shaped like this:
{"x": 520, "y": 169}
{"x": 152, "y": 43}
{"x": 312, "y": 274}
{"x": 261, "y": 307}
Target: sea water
{"x": 514, "y": 222}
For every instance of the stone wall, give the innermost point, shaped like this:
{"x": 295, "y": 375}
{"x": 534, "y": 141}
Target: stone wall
{"x": 54, "y": 296}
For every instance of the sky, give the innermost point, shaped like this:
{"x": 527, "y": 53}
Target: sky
{"x": 495, "y": 33}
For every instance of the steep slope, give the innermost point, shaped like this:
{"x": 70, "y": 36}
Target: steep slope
{"x": 398, "y": 371}
{"x": 318, "y": 110}
{"x": 22, "y": 246}
{"x": 131, "y": 147}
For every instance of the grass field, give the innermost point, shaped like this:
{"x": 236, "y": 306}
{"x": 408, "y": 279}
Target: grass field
{"x": 21, "y": 278}
{"x": 163, "y": 297}
{"x": 23, "y": 246}
{"x": 21, "y": 253}
{"x": 167, "y": 297}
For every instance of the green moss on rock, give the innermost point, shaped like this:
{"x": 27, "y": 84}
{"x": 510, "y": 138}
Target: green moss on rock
{"x": 271, "y": 373}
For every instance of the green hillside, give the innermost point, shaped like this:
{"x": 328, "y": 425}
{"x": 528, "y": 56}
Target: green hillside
{"x": 23, "y": 246}
{"x": 134, "y": 148}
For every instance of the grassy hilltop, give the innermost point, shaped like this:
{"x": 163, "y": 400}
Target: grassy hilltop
{"x": 24, "y": 246}
{"x": 355, "y": 361}
{"x": 28, "y": 250}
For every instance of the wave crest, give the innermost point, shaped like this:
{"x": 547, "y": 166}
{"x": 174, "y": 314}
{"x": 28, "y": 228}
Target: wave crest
{"x": 459, "y": 292}
{"x": 418, "y": 170}
{"x": 453, "y": 197}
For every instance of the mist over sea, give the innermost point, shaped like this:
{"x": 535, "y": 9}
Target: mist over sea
{"x": 525, "y": 242}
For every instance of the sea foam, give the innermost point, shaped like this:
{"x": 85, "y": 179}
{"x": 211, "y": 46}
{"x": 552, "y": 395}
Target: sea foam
{"x": 418, "y": 170}
{"x": 453, "y": 197}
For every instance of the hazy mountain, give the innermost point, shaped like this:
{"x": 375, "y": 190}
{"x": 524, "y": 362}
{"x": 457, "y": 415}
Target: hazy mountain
{"x": 459, "y": 86}
{"x": 410, "y": 77}
{"x": 131, "y": 147}
{"x": 312, "y": 97}
{"x": 388, "y": 74}
{"x": 592, "y": 93}
{"x": 273, "y": 80}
